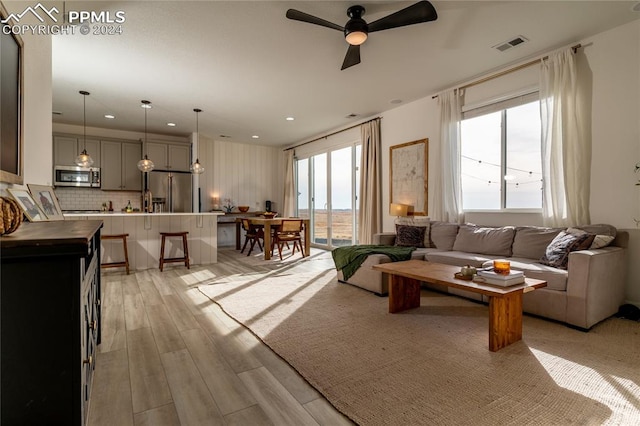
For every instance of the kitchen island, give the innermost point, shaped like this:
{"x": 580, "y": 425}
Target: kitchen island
{"x": 144, "y": 236}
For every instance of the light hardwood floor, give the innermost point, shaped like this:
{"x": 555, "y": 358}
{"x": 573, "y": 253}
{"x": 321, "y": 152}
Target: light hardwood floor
{"x": 170, "y": 356}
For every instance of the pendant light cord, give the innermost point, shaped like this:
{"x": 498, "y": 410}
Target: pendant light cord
{"x": 146, "y": 149}
{"x": 84, "y": 94}
{"x": 84, "y": 119}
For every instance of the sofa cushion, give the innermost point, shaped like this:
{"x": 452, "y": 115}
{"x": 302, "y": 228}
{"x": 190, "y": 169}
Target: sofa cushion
{"x": 459, "y": 258}
{"x": 556, "y": 278}
{"x": 443, "y": 235}
{"x": 410, "y": 236}
{"x": 484, "y": 240}
{"x": 557, "y": 252}
{"x": 531, "y": 241}
{"x": 417, "y": 221}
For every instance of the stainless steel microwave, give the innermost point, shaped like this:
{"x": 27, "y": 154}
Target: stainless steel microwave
{"x": 88, "y": 177}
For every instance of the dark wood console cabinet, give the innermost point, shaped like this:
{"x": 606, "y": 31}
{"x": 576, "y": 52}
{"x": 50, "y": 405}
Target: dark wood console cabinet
{"x": 49, "y": 321}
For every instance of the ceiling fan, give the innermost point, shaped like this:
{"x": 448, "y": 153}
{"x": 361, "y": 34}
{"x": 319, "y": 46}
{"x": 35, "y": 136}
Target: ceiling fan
{"x": 357, "y": 29}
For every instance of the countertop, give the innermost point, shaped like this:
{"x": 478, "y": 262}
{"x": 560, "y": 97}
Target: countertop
{"x": 96, "y": 214}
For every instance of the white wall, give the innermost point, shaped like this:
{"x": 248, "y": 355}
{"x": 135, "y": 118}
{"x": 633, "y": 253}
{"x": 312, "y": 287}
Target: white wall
{"x": 410, "y": 122}
{"x": 247, "y": 174}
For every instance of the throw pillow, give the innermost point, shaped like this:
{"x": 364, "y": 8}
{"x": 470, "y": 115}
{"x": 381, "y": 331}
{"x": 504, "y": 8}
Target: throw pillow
{"x": 417, "y": 221}
{"x": 586, "y": 244}
{"x": 601, "y": 241}
{"x": 410, "y": 236}
{"x": 557, "y": 253}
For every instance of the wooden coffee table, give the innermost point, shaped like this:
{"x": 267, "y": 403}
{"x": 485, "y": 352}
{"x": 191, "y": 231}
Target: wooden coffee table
{"x": 505, "y": 303}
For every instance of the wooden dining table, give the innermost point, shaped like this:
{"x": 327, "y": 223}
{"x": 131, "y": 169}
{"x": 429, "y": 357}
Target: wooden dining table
{"x": 268, "y": 224}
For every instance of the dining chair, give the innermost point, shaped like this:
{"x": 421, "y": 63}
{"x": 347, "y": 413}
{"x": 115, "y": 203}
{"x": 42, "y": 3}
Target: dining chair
{"x": 289, "y": 230}
{"x": 253, "y": 233}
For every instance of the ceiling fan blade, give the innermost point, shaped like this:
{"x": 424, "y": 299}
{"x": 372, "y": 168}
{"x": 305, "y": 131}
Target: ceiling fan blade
{"x": 352, "y": 57}
{"x": 305, "y": 17}
{"x": 422, "y": 11}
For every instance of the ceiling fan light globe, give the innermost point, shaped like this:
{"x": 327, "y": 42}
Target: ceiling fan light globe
{"x": 356, "y": 38}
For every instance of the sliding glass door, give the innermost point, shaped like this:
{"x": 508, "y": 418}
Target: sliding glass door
{"x": 327, "y": 185}
{"x": 319, "y": 201}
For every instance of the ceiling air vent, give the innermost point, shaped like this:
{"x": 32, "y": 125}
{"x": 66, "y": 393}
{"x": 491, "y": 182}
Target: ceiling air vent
{"x": 511, "y": 43}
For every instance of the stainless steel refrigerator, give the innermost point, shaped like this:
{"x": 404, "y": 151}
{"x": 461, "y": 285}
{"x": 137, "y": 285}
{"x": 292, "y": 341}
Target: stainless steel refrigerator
{"x": 170, "y": 191}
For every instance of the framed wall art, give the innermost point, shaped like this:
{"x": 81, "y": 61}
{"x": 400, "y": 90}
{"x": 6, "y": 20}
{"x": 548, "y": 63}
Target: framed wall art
{"x": 46, "y": 199}
{"x": 409, "y": 175}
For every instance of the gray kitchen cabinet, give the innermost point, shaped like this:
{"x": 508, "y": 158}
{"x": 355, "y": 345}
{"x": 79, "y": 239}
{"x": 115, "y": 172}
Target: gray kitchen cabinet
{"x": 120, "y": 165}
{"x": 168, "y": 156}
{"x": 67, "y": 148}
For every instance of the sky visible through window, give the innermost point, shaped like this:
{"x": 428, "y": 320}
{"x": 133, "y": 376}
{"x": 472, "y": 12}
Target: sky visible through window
{"x": 481, "y": 162}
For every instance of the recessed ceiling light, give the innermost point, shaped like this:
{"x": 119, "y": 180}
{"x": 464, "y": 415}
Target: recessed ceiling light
{"x": 56, "y": 113}
{"x": 352, "y": 115}
{"x": 255, "y": 137}
{"x": 290, "y": 118}
{"x": 171, "y": 124}
{"x": 225, "y": 136}
{"x": 109, "y": 116}
{"x": 395, "y": 101}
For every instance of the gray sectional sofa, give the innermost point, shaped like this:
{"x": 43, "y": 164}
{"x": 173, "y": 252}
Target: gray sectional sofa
{"x": 584, "y": 288}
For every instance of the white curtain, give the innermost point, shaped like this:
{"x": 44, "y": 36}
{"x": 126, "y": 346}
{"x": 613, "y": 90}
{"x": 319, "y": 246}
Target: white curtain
{"x": 447, "y": 179}
{"x": 289, "y": 207}
{"x": 566, "y": 144}
{"x": 370, "y": 202}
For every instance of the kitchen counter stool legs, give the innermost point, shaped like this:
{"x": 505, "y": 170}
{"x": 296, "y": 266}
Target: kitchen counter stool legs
{"x": 125, "y": 262}
{"x": 185, "y": 249}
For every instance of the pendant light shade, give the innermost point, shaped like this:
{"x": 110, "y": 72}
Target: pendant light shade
{"x": 145, "y": 165}
{"x": 83, "y": 159}
{"x": 196, "y": 168}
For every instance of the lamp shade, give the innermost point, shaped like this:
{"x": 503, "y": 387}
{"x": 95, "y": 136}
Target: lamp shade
{"x": 399, "y": 209}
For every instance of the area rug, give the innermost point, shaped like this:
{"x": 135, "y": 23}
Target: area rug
{"x": 431, "y": 365}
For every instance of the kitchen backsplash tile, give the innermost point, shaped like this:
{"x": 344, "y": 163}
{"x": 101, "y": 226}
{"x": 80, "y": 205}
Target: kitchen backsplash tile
{"x": 92, "y": 199}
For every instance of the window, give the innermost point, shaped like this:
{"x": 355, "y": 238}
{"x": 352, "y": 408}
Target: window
{"x": 328, "y": 185}
{"x": 501, "y": 161}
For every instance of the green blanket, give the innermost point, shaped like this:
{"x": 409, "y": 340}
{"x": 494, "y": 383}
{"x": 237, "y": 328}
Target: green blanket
{"x": 348, "y": 259}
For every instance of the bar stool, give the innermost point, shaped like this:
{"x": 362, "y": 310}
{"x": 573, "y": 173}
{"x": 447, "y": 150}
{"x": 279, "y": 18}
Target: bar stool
{"x": 124, "y": 263}
{"x": 185, "y": 249}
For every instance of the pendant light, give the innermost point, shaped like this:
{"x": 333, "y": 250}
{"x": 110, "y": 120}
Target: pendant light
{"x": 145, "y": 165}
{"x": 196, "y": 168}
{"x": 84, "y": 159}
